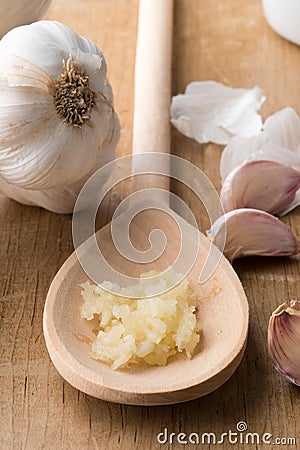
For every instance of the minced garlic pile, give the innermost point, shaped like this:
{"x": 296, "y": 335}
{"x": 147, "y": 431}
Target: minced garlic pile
{"x": 145, "y": 329}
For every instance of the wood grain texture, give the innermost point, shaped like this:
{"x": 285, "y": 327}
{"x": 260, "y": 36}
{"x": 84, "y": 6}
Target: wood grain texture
{"x": 224, "y": 40}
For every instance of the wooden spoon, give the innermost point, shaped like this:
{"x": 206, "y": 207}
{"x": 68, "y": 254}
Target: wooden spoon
{"x": 222, "y": 305}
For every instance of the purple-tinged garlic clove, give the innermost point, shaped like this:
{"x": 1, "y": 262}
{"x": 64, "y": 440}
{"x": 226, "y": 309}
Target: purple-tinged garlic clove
{"x": 252, "y": 232}
{"x": 284, "y": 340}
{"x": 278, "y": 142}
{"x": 265, "y": 185}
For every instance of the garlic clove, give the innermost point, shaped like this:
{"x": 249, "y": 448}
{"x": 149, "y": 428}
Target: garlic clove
{"x": 252, "y": 232}
{"x": 212, "y": 112}
{"x": 20, "y": 12}
{"x": 241, "y": 150}
{"x": 284, "y": 340}
{"x": 278, "y": 142}
{"x": 264, "y": 185}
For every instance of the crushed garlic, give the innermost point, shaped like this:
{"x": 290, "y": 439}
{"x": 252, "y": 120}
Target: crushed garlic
{"x": 148, "y": 329}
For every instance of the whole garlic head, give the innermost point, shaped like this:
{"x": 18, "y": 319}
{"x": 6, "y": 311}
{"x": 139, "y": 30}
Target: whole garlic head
{"x": 57, "y": 120}
{"x": 20, "y": 12}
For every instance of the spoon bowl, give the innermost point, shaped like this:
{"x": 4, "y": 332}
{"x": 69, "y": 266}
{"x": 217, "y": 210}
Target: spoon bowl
{"x": 222, "y": 312}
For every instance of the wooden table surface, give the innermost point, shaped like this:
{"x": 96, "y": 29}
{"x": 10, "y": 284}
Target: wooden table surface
{"x": 223, "y": 40}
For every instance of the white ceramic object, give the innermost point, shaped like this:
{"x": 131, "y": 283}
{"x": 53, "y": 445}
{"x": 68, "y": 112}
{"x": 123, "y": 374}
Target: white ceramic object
{"x": 284, "y": 17}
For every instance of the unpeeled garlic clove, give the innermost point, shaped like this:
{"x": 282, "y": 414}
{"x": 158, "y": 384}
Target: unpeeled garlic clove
{"x": 252, "y": 232}
{"x": 278, "y": 142}
{"x": 284, "y": 340}
{"x": 265, "y": 185}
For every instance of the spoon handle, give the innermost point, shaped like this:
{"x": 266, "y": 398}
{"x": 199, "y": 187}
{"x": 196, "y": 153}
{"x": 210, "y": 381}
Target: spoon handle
{"x": 151, "y": 129}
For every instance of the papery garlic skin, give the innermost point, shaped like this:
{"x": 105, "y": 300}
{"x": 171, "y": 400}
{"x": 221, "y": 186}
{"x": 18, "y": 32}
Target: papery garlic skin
{"x": 41, "y": 150}
{"x": 14, "y": 13}
{"x": 212, "y": 112}
{"x": 284, "y": 340}
{"x": 252, "y": 232}
{"x": 264, "y": 185}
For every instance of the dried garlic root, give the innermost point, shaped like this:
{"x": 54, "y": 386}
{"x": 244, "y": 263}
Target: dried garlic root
{"x": 149, "y": 329}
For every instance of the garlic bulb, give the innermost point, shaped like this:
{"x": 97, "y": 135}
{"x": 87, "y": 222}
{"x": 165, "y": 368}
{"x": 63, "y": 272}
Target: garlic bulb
{"x": 57, "y": 120}
{"x": 252, "y": 232}
{"x": 264, "y": 185}
{"x": 284, "y": 340}
{"x": 20, "y": 12}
